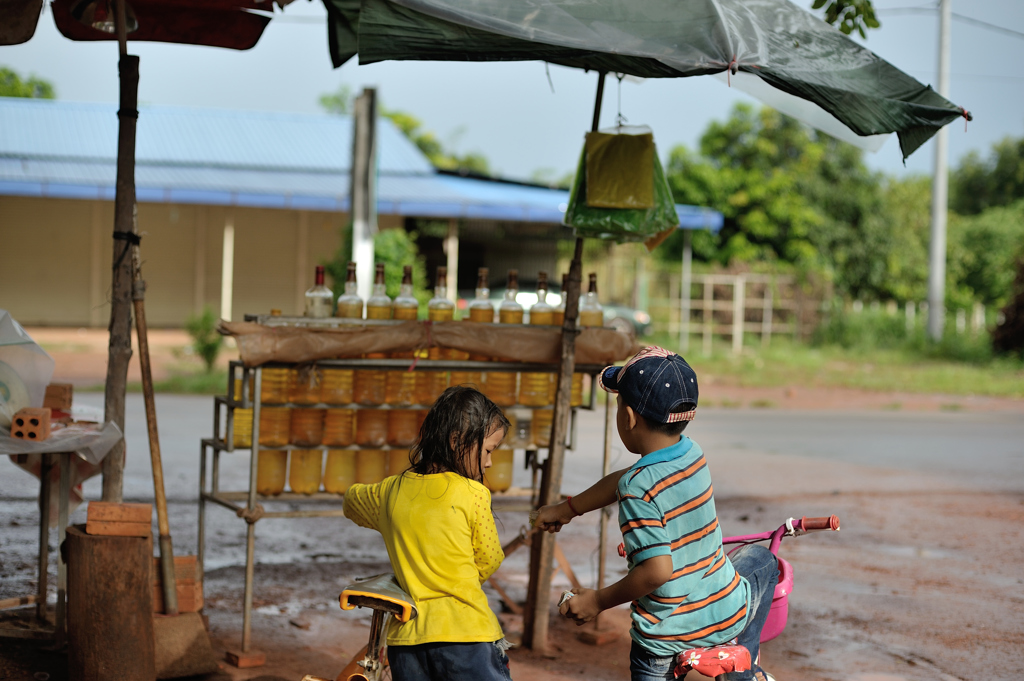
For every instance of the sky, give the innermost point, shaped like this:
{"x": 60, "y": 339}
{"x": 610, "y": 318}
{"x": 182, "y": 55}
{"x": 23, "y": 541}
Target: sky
{"x": 510, "y": 112}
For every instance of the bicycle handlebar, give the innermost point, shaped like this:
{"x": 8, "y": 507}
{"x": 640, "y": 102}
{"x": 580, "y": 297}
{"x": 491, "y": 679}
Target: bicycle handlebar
{"x": 826, "y": 523}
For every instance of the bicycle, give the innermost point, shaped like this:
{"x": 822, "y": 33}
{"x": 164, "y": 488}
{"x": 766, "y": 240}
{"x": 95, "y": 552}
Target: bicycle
{"x": 383, "y": 594}
{"x": 718, "y": 660}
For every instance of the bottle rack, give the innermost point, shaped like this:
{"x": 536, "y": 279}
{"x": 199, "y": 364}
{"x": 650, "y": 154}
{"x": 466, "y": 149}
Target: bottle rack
{"x": 248, "y": 504}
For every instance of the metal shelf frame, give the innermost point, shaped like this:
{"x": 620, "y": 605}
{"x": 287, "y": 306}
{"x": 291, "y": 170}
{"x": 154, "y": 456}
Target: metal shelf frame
{"x": 247, "y": 504}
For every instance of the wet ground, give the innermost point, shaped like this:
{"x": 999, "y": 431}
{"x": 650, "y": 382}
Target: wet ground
{"x": 924, "y": 581}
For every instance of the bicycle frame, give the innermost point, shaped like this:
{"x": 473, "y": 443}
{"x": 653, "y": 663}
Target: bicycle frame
{"x": 779, "y": 613}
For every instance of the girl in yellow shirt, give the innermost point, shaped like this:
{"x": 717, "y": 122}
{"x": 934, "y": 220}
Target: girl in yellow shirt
{"x": 440, "y": 535}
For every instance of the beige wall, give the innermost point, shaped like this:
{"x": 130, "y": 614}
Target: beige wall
{"x": 56, "y": 254}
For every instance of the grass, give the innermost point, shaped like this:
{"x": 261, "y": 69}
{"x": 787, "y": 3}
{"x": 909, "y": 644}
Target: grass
{"x": 785, "y": 363}
{"x": 183, "y": 383}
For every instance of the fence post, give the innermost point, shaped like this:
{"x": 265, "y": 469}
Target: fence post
{"x": 709, "y": 316}
{"x": 685, "y": 291}
{"x": 673, "y": 305}
{"x": 977, "y": 318}
{"x": 739, "y": 287}
{"x": 766, "y": 315}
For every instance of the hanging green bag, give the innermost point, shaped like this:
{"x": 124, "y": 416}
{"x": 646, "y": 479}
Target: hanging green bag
{"x": 620, "y": 191}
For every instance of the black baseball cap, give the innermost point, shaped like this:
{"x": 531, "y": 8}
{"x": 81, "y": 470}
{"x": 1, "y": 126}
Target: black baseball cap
{"x": 656, "y": 383}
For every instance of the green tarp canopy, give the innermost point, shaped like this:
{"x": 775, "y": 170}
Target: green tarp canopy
{"x": 812, "y": 71}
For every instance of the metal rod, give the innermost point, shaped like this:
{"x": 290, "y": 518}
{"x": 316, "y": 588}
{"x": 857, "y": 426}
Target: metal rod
{"x": 250, "y": 535}
{"x": 44, "y": 534}
{"x": 201, "y": 533}
{"x": 226, "y": 503}
{"x": 62, "y": 526}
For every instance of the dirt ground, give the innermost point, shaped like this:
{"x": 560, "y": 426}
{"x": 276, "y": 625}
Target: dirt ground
{"x": 923, "y": 583}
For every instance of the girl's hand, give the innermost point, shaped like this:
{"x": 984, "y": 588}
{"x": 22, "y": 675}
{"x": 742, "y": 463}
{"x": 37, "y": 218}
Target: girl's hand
{"x": 551, "y": 518}
{"x": 582, "y": 607}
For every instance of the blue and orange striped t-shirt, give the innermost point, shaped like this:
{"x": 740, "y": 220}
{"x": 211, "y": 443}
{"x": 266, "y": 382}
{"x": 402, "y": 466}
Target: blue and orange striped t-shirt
{"x": 667, "y": 507}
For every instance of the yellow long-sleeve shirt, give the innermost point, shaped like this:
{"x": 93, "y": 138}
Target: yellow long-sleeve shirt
{"x": 443, "y": 545}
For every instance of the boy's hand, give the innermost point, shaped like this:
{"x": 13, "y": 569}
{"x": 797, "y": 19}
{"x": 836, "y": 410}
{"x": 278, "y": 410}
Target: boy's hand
{"x": 551, "y": 518}
{"x": 582, "y": 607}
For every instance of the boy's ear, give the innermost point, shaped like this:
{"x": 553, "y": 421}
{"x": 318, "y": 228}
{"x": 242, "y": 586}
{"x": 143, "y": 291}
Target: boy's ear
{"x": 631, "y": 417}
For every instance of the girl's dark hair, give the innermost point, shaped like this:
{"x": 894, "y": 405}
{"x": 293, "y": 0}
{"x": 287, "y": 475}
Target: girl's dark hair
{"x": 460, "y": 418}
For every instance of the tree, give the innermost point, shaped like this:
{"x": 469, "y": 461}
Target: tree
{"x": 340, "y": 102}
{"x": 796, "y": 198}
{"x": 851, "y": 15}
{"x": 982, "y": 255}
{"x": 12, "y": 85}
{"x": 978, "y": 184}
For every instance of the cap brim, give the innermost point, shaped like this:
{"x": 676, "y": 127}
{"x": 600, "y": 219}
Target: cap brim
{"x": 608, "y": 379}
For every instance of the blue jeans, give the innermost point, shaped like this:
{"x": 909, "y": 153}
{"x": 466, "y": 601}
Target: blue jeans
{"x": 449, "y": 662}
{"x": 761, "y": 570}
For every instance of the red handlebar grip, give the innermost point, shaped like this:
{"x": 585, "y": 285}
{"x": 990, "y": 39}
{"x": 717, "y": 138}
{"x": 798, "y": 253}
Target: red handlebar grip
{"x": 829, "y": 523}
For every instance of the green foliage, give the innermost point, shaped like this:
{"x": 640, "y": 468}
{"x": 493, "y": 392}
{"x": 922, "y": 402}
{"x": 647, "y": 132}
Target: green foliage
{"x": 981, "y": 254}
{"x": 205, "y": 340}
{"x": 340, "y": 102}
{"x": 869, "y": 331}
{"x": 393, "y": 247}
{"x": 978, "y": 184}
{"x": 397, "y": 248}
{"x": 12, "y": 85}
{"x": 851, "y": 15}
{"x": 795, "y": 197}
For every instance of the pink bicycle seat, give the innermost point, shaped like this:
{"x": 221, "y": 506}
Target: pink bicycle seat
{"x": 713, "y": 661}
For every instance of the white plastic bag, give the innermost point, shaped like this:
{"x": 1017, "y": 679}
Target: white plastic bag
{"x": 25, "y": 370}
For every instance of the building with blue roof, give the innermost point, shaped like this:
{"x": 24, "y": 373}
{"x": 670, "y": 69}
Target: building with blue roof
{"x": 278, "y": 181}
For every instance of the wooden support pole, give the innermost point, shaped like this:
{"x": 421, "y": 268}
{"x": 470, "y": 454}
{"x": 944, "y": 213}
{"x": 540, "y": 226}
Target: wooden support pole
{"x": 542, "y": 552}
{"x": 125, "y": 229}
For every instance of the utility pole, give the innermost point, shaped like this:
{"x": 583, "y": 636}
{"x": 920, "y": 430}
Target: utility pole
{"x": 940, "y": 190}
{"x": 364, "y": 190}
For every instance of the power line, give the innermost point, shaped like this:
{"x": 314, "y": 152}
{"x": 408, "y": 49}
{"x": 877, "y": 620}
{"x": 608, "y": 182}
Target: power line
{"x": 958, "y": 17}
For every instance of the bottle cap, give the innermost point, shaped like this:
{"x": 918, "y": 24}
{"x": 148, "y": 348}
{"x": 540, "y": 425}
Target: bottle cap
{"x": 513, "y": 279}
{"x": 351, "y": 277}
{"x": 593, "y": 282}
{"x": 481, "y": 277}
{"x": 542, "y": 280}
{"x": 407, "y": 274}
{"x": 442, "y": 276}
{"x": 379, "y": 278}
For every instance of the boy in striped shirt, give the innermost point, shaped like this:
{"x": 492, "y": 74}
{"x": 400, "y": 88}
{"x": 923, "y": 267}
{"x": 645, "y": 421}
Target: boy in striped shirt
{"x": 683, "y": 589}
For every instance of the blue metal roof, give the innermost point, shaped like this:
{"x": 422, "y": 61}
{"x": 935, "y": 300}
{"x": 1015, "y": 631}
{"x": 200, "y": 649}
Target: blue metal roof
{"x": 249, "y": 158}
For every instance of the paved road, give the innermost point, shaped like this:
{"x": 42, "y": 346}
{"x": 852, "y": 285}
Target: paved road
{"x": 793, "y": 451}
